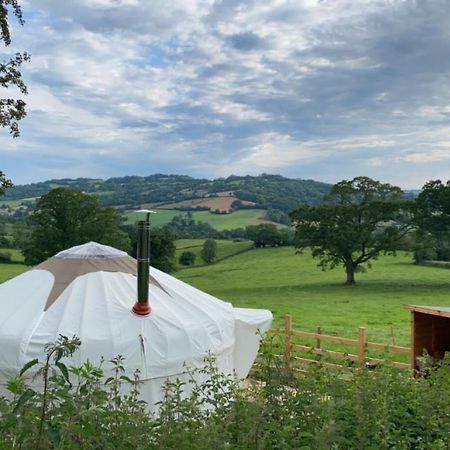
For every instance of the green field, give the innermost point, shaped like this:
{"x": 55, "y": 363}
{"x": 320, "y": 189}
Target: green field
{"x": 161, "y": 217}
{"x": 16, "y": 203}
{"x": 237, "y": 219}
{"x": 8, "y": 271}
{"x": 225, "y": 249}
{"x": 284, "y": 282}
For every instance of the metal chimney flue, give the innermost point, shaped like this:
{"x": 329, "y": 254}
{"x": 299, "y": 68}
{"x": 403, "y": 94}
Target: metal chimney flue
{"x": 142, "y": 306}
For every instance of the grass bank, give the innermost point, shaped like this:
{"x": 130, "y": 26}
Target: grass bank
{"x": 288, "y": 283}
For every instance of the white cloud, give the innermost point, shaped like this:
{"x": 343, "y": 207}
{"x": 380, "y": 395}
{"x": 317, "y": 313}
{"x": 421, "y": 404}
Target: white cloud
{"x": 206, "y": 86}
{"x": 375, "y": 162}
{"x": 430, "y": 156}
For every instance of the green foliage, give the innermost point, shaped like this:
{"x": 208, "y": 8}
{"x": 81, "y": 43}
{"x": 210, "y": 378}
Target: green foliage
{"x": 5, "y": 257}
{"x": 268, "y": 235}
{"x": 66, "y": 217}
{"x": 380, "y": 409}
{"x": 433, "y": 209}
{"x": 186, "y": 227}
{"x": 187, "y": 258}
{"x": 209, "y": 251}
{"x": 162, "y": 249}
{"x": 432, "y": 218}
{"x": 4, "y": 183}
{"x": 278, "y": 216}
{"x": 11, "y": 109}
{"x": 360, "y": 219}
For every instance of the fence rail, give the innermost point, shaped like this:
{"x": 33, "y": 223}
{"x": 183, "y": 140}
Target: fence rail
{"x": 292, "y": 349}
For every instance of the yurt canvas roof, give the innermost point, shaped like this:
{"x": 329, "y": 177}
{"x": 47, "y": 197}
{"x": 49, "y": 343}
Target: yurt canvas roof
{"x": 89, "y": 291}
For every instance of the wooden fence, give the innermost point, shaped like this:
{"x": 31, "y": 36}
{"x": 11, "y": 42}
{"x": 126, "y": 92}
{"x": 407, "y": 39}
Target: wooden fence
{"x": 358, "y": 358}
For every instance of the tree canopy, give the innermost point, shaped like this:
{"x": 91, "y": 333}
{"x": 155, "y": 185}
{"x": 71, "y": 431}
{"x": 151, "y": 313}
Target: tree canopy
{"x": 11, "y": 109}
{"x": 432, "y": 218}
{"x": 268, "y": 235}
{"x": 187, "y": 258}
{"x": 209, "y": 251}
{"x": 66, "y": 217}
{"x": 433, "y": 209}
{"x": 359, "y": 219}
{"x": 4, "y": 183}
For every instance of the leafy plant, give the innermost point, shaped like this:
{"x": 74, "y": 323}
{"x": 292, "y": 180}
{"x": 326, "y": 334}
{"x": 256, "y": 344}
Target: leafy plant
{"x": 380, "y": 409}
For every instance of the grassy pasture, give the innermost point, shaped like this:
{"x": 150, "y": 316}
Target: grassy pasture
{"x": 284, "y": 282}
{"x": 8, "y": 271}
{"x": 225, "y": 249}
{"x": 161, "y": 217}
{"x": 237, "y": 219}
{"x": 16, "y": 203}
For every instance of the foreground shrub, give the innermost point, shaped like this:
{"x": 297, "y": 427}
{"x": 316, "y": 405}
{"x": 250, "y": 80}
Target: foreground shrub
{"x": 5, "y": 257}
{"x": 187, "y": 258}
{"x": 78, "y": 409}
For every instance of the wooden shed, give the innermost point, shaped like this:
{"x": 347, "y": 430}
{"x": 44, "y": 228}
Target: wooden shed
{"x": 430, "y": 332}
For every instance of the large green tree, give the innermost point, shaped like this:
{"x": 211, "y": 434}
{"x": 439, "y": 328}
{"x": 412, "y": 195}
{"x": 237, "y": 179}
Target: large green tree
{"x": 358, "y": 220}
{"x": 67, "y": 217}
{"x": 209, "y": 251}
{"x": 267, "y": 234}
{"x": 162, "y": 249}
{"x": 432, "y": 218}
{"x": 162, "y": 246}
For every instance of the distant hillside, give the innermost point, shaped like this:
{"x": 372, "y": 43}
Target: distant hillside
{"x": 270, "y": 192}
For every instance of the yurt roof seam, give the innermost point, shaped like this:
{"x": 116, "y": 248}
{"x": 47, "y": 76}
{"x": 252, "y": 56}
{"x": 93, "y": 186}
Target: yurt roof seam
{"x": 26, "y": 342}
{"x": 109, "y": 315}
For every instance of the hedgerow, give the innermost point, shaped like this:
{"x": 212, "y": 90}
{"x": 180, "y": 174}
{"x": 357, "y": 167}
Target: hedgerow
{"x": 78, "y": 409}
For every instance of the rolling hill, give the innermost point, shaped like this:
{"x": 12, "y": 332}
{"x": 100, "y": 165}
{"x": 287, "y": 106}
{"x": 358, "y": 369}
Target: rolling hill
{"x": 225, "y": 203}
{"x": 269, "y": 191}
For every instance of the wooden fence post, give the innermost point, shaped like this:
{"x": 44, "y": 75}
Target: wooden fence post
{"x": 362, "y": 346}
{"x": 287, "y": 339}
{"x": 319, "y": 331}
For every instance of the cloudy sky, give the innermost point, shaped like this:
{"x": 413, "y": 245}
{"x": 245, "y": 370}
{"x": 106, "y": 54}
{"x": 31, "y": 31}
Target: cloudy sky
{"x": 321, "y": 89}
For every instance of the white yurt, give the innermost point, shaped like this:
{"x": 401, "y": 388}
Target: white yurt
{"x": 91, "y": 290}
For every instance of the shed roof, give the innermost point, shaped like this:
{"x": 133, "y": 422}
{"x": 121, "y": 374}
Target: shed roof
{"x": 443, "y": 311}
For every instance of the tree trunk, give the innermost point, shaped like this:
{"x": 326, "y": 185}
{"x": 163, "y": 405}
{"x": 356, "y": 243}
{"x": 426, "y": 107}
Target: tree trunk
{"x": 350, "y": 270}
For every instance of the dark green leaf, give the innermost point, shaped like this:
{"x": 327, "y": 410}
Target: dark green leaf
{"x": 28, "y": 365}
{"x": 65, "y": 373}
{"x": 27, "y": 395}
